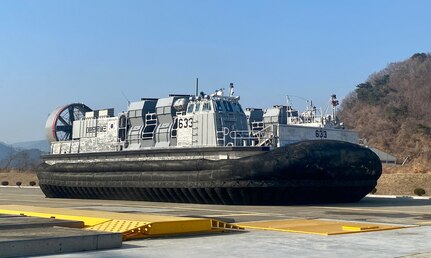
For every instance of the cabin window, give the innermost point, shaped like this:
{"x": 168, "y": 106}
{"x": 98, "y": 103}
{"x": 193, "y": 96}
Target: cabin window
{"x": 237, "y": 107}
{"x": 229, "y": 107}
{"x": 292, "y": 114}
{"x": 174, "y": 129}
{"x": 198, "y": 107}
{"x": 219, "y": 107}
{"x": 206, "y": 106}
{"x": 225, "y": 106}
{"x": 190, "y": 109}
{"x": 240, "y": 108}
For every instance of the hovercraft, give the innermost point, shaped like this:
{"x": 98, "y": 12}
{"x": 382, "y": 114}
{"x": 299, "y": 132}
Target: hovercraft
{"x": 205, "y": 149}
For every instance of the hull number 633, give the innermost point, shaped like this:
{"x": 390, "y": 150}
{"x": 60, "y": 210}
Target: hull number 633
{"x": 185, "y": 122}
{"x": 321, "y": 134}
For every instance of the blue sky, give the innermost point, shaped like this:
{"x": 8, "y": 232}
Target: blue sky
{"x": 58, "y": 52}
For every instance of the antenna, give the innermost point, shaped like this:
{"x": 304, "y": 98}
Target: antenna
{"x": 197, "y": 86}
{"x": 124, "y": 95}
{"x": 288, "y": 101}
{"x": 299, "y": 97}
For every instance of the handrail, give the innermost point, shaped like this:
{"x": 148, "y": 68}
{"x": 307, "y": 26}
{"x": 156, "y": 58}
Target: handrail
{"x": 246, "y": 138}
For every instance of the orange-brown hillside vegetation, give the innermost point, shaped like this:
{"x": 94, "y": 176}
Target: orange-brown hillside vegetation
{"x": 391, "y": 110}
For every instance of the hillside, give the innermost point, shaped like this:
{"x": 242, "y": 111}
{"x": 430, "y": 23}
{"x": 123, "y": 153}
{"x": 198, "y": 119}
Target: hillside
{"x": 5, "y": 151}
{"x": 42, "y": 145}
{"x": 17, "y": 158}
{"x": 391, "y": 110}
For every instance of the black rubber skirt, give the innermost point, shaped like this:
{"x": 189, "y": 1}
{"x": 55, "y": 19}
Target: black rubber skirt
{"x": 303, "y": 173}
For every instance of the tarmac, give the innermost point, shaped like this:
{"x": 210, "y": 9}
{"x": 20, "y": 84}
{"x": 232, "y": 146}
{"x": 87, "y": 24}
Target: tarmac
{"x": 414, "y": 214}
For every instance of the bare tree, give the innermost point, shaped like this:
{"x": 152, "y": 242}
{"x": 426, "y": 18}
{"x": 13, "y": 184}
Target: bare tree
{"x": 392, "y": 109}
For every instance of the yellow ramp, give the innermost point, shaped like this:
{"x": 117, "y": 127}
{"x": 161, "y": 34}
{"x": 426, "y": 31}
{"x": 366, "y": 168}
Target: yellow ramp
{"x": 130, "y": 225}
{"x": 315, "y": 226}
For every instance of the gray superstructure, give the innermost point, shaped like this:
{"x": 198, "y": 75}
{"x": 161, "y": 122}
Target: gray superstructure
{"x": 205, "y": 120}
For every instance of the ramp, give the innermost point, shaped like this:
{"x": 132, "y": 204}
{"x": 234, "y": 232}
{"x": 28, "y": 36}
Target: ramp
{"x": 318, "y": 227}
{"x": 131, "y": 226}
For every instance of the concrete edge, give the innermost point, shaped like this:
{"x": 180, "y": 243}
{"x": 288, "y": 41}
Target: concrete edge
{"x": 59, "y": 244}
{"x": 14, "y": 186}
{"x": 398, "y": 197}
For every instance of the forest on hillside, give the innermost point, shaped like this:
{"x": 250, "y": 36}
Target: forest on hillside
{"x": 12, "y": 158}
{"x": 391, "y": 110}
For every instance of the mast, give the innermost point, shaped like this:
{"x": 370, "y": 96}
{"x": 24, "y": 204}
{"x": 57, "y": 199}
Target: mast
{"x": 334, "y": 103}
{"x": 197, "y": 86}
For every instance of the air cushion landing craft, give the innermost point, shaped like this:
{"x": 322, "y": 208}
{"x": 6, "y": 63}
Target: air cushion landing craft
{"x": 205, "y": 148}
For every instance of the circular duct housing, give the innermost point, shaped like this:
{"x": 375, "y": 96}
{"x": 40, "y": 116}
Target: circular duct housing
{"x": 60, "y": 122}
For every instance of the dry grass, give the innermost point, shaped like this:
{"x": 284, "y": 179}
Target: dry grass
{"x": 404, "y": 184}
{"x": 25, "y": 177}
{"x": 412, "y": 168}
{"x": 403, "y": 180}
